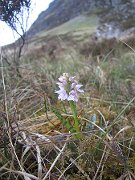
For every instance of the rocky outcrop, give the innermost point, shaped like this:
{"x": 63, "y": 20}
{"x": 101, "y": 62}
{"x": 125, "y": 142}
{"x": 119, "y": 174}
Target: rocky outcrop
{"x": 117, "y": 21}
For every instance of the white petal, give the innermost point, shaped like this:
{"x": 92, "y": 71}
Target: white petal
{"x": 72, "y": 78}
{"x": 77, "y": 88}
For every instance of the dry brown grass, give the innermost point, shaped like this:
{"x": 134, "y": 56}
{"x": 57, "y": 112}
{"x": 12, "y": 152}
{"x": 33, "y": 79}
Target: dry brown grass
{"x": 36, "y": 146}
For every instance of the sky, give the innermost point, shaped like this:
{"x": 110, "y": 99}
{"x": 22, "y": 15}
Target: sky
{"x": 7, "y": 36}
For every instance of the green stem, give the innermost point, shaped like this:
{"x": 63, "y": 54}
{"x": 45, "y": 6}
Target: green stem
{"x": 76, "y": 121}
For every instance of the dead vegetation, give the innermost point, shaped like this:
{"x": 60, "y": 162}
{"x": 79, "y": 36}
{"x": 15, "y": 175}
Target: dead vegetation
{"x": 35, "y": 145}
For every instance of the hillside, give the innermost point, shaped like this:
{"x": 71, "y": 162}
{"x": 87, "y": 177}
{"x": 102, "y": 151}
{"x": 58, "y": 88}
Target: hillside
{"x": 118, "y": 15}
{"x": 59, "y": 12}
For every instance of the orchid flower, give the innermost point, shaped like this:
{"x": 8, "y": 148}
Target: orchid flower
{"x": 68, "y": 88}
